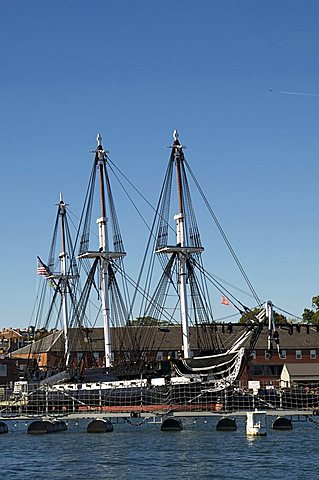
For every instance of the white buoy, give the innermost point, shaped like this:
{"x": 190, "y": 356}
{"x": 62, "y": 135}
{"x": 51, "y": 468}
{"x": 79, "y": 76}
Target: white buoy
{"x": 256, "y": 424}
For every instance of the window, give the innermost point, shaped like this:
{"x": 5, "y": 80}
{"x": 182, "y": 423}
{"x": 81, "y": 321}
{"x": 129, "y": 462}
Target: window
{"x": 268, "y": 354}
{"x": 256, "y": 370}
{"x": 3, "y": 342}
{"x": 298, "y": 354}
{"x": 79, "y": 356}
{"x": 266, "y": 370}
{"x": 3, "y": 370}
{"x": 159, "y": 356}
{"x": 283, "y": 354}
{"x": 313, "y": 354}
{"x": 253, "y": 354}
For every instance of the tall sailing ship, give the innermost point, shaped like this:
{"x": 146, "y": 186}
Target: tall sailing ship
{"x": 129, "y": 373}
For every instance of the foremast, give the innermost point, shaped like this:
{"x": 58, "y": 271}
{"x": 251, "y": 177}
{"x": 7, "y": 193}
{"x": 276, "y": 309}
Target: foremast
{"x": 104, "y": 255}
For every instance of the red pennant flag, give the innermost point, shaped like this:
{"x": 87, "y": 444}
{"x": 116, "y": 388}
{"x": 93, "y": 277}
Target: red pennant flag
{"x": 224, "y": 300}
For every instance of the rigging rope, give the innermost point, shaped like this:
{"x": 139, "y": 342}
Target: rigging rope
{"x": 230, "y": 248}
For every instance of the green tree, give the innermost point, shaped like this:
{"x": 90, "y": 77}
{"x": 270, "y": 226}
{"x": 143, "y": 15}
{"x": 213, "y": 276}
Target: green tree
{"x": 147, "y": 322}
{"x": 251, "y": 316}
{"x": 312, "y": 316}
{"x": 280, "y": 319}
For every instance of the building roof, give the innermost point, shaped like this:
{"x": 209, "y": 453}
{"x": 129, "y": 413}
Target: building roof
{"x": 166, "y": 339}
{"x": 296, "y": 340}
{"x": 52, "y": 342}
{"x": 10, "y": 333}
{"x": 303, "y": 369}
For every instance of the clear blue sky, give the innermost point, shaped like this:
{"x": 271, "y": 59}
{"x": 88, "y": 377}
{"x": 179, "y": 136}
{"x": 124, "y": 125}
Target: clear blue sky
{"x": 135, "y": 70}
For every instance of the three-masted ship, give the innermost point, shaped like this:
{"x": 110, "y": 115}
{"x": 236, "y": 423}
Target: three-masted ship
{"x": 126, "y": 375}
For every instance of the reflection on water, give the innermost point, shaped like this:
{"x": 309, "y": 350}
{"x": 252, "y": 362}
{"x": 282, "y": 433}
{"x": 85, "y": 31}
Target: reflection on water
{"x": 144, "y": 452}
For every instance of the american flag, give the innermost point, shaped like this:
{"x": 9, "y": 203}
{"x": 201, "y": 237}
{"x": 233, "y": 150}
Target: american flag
{"x": 42, "y": 269}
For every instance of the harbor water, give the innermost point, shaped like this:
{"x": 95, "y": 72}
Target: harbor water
{"x": 136, "y": 450}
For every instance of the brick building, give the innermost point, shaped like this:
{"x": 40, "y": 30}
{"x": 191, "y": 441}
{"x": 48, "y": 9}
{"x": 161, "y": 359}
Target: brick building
{"x": 299, "y": 344}
{"x": 9, "y": 370}
{"x": 12, "y": 339}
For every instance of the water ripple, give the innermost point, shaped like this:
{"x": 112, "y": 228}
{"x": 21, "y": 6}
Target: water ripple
{"x": 196, "y": 453}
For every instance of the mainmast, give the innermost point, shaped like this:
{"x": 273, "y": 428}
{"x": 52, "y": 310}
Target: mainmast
{"x": 103, "y": 247}
{"x": 180, "y": 241}
{"x": 181, "y": 250}
{"x": 104, "y": 255}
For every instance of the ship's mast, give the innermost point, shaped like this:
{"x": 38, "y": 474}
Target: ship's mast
{"x": 64, "y": 285}
{"x": 180, "y": 241}
{"x": 181, "y": 250}
{"x": 104, "y": 255}
{"x": 60, "y": 280}
{"x": 103, "y": 247}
